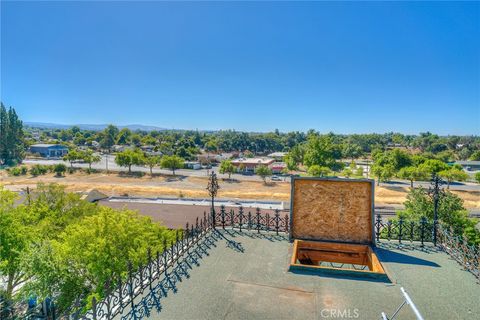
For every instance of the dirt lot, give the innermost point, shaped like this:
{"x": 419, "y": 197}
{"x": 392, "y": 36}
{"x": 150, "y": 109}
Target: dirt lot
{"x": 180, "y": 186}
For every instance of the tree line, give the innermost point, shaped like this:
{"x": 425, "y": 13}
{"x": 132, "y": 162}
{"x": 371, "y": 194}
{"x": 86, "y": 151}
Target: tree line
{"x": 188, "y": 143}
{"x": 12, "y": 148}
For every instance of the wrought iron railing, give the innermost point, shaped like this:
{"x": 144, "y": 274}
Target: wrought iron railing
{"x": 403, "y": 230}
{"x": 459, "y": 249}
{"x": 423, "y": 230}
{"x": 252, "y": 220}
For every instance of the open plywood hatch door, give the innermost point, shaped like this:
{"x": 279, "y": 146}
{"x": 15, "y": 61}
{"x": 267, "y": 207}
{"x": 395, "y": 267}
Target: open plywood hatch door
{"x": 332, "y": 227}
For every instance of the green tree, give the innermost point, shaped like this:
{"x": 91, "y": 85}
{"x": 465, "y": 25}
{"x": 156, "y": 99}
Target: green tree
{"x": 475, "y": 156}
{"x": 413, "y": 173}
{"x": 477, "y": 177}
{"x": 264, "y": 172}
{"x": 128, "y": 158}
{"x": 89, "y": 157}
{"x": 451, "y": 212}
{"x": 318, "y": 171}
{"x": 108, "y": 137}
{"x": 59, "y": 169}
{"x": 72, "y": 156}
{"x": 453, "y": 174}
{"x": 347, "y": 172}
{"x": 351, "y": 151}
{"x": 226, "y": 167}
{"x": 92, "y": 251}
{"x": 434, "y": 166}
{"x": 383, "y": 172}
{"x": 172, "y": 162}
{"x": 15, "y": 238}
{"x": 123, "y": 137}
{"x": 151, "y": 162}
{"x": 294, "y": 157}
{"x": 12, "y": 148}
{"x": 319, "y": 150}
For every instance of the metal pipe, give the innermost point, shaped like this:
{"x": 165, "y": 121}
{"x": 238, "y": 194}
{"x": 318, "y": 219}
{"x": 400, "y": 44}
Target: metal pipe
{"x": 411, "y": 304}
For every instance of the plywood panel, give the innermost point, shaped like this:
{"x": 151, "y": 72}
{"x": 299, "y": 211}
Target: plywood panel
{"x": 332, "y": 209}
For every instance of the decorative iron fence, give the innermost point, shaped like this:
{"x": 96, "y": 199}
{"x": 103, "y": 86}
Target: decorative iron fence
{"x": 458, "y": 248}
{"x": 255, "y": 220}
{"x": 403, "y": 230}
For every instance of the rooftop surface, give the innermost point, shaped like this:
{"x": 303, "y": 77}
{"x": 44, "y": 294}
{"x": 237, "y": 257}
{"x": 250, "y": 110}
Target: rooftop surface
{"x": 245, "y": 276}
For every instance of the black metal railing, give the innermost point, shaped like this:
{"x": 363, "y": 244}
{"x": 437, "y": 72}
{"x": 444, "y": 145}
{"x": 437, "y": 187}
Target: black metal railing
{"x": 467, "y": 255}
{"x": 403, "y": 230}
{"x": 252, "y": 220}
{"x": 423, "y": 230}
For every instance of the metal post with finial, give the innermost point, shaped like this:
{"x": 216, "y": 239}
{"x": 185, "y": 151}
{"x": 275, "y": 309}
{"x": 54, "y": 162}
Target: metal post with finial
{"x": 435, "y": 192}
{"x": 212, "y": 188}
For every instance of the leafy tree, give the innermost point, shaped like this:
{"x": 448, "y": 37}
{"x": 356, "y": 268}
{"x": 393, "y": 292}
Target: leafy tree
{"x": 318, "y": 171}
{"x": 59, "y": 169}
{"x": 89, "y": 157}
{"x": 15, "y": 237}
{"x": 108, "y": 137}
{"x": 477, "y": 177}
{"x": 351, "y": 151}
{"x": 264, "y": 172}
{"x": 319, "y": 150}
{"x": 450, "y": 211}
{"x": 294, "y": 157}
{"x": 347, "y": 172}
{"x": 92, "y": 251}
{"x": 72, "y": 156}
{"x": 12, "y": 149}
{"x": 453, "y": 174}
{"x": 123, "y": 137}
{"x": 434, "y": 166}
{"x": 172, "y": 162}
{"x": 128, "y": 158}
{"x": 475, "y": 156}
{"x": 227, "y": 167}
{"x": 413, "y": 173}
{"x": 383, "y": 173}
{"x": 151, "y": 162}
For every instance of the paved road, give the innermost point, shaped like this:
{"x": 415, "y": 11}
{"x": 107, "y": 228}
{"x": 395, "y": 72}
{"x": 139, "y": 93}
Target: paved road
{"x": 112, "y": 166}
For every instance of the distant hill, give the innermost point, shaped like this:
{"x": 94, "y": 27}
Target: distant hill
{"x": 95, "y": 127}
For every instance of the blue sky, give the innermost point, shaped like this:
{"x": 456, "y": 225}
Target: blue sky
{"x": 341, "y": 67}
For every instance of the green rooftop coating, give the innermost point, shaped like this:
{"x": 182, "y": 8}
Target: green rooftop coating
{"x": 245, "y": 276}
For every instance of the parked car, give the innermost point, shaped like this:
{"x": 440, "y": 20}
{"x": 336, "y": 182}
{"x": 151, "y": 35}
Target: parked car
{"x": 276, "y": 178}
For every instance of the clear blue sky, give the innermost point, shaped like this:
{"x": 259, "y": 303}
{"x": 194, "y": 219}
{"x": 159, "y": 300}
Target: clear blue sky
{"x": 342, "y": 67}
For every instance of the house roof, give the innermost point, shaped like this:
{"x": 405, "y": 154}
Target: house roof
{"x": 243, "y": 275}
{"x": 277, "y": 154}
{"x": 253, "y": 161}
{"x": 47, "y": 145}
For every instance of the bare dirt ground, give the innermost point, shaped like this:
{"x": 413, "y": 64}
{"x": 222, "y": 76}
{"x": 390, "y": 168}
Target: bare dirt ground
{"x": 115, "y": 184}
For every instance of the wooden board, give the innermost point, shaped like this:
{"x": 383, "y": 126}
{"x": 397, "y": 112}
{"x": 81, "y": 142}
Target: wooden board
{"x": 332, "y": 209}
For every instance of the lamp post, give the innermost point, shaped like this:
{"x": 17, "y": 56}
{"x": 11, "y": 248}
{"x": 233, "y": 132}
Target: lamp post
{"x": 435, "y": 192}
{"x": 212, "y": 188}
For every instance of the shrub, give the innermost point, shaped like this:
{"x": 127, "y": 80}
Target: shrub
{"x": 59, "y": 169}
{"x": 38, "y": 170}
{"x": 17, "y": 171}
